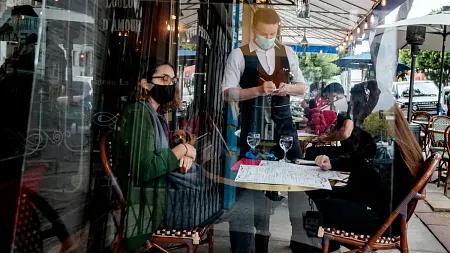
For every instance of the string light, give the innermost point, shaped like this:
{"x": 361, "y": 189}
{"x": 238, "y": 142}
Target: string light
{"x": 120, "y": 34}
{"x": 366, "y": 25}
{"x": 372, "y": 19}
{"x": 351, "y": 37}
{"x": 125, "y": 34}
{"x": 383, "y": 3}
{"x": 346, "y": 38}
{"x": 168, "y": 27}
{"x": 344, "y": 44}
{"x": 358, "y": 30}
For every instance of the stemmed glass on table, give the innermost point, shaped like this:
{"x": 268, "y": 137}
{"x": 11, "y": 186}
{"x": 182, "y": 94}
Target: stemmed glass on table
{"x": 253, "y": 140}
{"x": 286, "y": 143}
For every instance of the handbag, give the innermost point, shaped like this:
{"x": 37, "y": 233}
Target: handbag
{"x": 312, "y": 221}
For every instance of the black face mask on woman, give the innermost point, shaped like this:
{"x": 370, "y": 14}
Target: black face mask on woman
{"x": 162, "y": 94}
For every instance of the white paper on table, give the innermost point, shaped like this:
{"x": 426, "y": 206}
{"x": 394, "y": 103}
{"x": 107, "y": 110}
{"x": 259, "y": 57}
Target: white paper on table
{"x": 307, "y": 169}
{"x": 282, "y": 175}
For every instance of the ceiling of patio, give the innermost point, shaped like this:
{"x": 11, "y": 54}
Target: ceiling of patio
{"x": 329, "y": 23}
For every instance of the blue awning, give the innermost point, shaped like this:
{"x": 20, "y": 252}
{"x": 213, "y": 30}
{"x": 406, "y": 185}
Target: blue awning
{"x": 315, "y": 49}
{"x": 186, "y": 52}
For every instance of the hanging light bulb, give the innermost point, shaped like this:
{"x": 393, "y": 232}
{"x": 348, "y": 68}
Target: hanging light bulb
{"x": 344, "y": 44}
{"x": 346, "y": 37}
{"x": 383, "y": 3}
{"x": 337, "y": 48}
{"x": 351, "y": 37}
{"x": 125, "y": 34}
{"x": 372, "y": 19}
{"x": 120, "y": 34}
{"x": 321, "y": 51}
{"x": 168, "y": 27}
{"x": 358, "y": 30}
{"x": 366, "y": 25}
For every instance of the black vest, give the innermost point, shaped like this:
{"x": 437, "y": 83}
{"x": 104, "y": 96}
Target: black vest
{"x": 280, "y": 106}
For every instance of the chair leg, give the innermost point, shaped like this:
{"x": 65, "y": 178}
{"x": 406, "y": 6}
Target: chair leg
{"x": 403, "y": 236}
{"x": 211, "y": 240}
{"x": 439, "y": 175}
{"x": 446, "y": 180}
{"x": 325, "y": 244}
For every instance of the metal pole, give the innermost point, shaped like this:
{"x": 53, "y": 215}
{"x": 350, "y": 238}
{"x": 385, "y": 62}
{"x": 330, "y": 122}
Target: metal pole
{"x": 444, "y": 36}
{"x": 414, "y": 51}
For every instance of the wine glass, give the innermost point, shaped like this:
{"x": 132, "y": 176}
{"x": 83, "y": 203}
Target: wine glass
{"x": 253, "y": 140}
{"x": 286, "y": 143}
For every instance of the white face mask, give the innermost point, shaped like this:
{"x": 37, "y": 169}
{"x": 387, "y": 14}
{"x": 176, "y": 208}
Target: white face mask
{"x": 341, "y": 105}
{"x": 263, "y": 43}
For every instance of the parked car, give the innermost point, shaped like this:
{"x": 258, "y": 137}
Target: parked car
{"x": 425, "y": 96}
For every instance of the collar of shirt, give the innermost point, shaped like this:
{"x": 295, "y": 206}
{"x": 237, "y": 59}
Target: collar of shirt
{"x": 254, "y": 47}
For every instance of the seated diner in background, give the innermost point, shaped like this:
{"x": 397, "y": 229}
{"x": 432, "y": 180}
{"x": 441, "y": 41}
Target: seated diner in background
{"x": 374, "y": 189}
{"x": 347, "y": 130}
{"x": 319, "y": 114}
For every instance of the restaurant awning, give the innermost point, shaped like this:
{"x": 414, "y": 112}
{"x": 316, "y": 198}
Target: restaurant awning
{"x": 328, "y": 25}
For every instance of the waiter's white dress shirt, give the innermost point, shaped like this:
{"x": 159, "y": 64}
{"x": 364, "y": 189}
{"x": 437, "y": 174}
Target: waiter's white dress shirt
{"x": 236, "y": 65}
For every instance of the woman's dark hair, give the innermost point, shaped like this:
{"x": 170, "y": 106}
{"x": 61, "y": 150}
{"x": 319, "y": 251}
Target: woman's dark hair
{"x": 266, "y": 16}
{"x": 143, "y": 94}
{"x": 365, "y": 97}
{"x": 333, "y": 88}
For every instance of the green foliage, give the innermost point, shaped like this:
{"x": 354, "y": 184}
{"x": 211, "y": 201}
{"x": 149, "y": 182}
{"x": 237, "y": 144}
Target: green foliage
{"x": 428, "y": 62}
{"x": 188, "y": 46}
{"x": 373, "y": 124}
{"x": 318, "y": 67}
{"x": 379, "y": 127}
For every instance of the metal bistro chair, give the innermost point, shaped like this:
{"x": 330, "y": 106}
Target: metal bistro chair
{"x": 424, "y": 139}
{"x": 174, "y": 238}
{"x": 446, "y": 158}
{"x": 437, "y": 127}
{"x": 376, "y": 242}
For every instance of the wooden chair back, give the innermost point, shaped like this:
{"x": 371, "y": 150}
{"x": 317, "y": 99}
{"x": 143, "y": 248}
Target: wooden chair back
{"x": 107, "y": 161}
{"x": 375, "y": 242}
{"x": 422, "y": 116}
{"x": 417, "y": 193}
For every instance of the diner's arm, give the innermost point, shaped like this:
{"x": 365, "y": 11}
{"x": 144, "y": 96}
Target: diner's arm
{"x": 351, "y": 161}
{"x": 341, "y": 134}
{"x": 347, "y": 163}
{"x": 238, "y": 94}
{"x": 139, "y": 131}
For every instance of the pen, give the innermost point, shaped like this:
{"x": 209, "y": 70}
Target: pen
{"x": 275, "y": 90}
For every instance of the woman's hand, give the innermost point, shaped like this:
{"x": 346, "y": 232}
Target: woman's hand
{"x": 186, "y": 163}
{"x": 191, "y": 151}
{"x": 323, "y": 162}
{"x": 319, "y": 139}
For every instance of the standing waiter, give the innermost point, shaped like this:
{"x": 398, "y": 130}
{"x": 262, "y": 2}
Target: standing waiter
{"x": 258, "y": 74}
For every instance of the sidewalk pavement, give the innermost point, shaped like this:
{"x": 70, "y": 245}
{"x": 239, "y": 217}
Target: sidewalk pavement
{"x": 421, "y": 240}
{"x": 434, "y": 212}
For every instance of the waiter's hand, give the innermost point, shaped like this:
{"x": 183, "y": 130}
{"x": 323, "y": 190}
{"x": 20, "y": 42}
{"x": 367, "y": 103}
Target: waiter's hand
{"x": 323, "y": 162}
{"x": 283, "y": 89}
{"x": 268, "y": 87}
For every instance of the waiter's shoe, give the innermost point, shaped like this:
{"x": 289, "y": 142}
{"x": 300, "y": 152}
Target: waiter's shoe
{"x": 261, "y": 243}
{"x": 274, "y": 196}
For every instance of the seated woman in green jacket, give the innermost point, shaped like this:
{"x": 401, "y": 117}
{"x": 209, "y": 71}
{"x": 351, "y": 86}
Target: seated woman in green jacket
{"x": 144, "y": 157}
